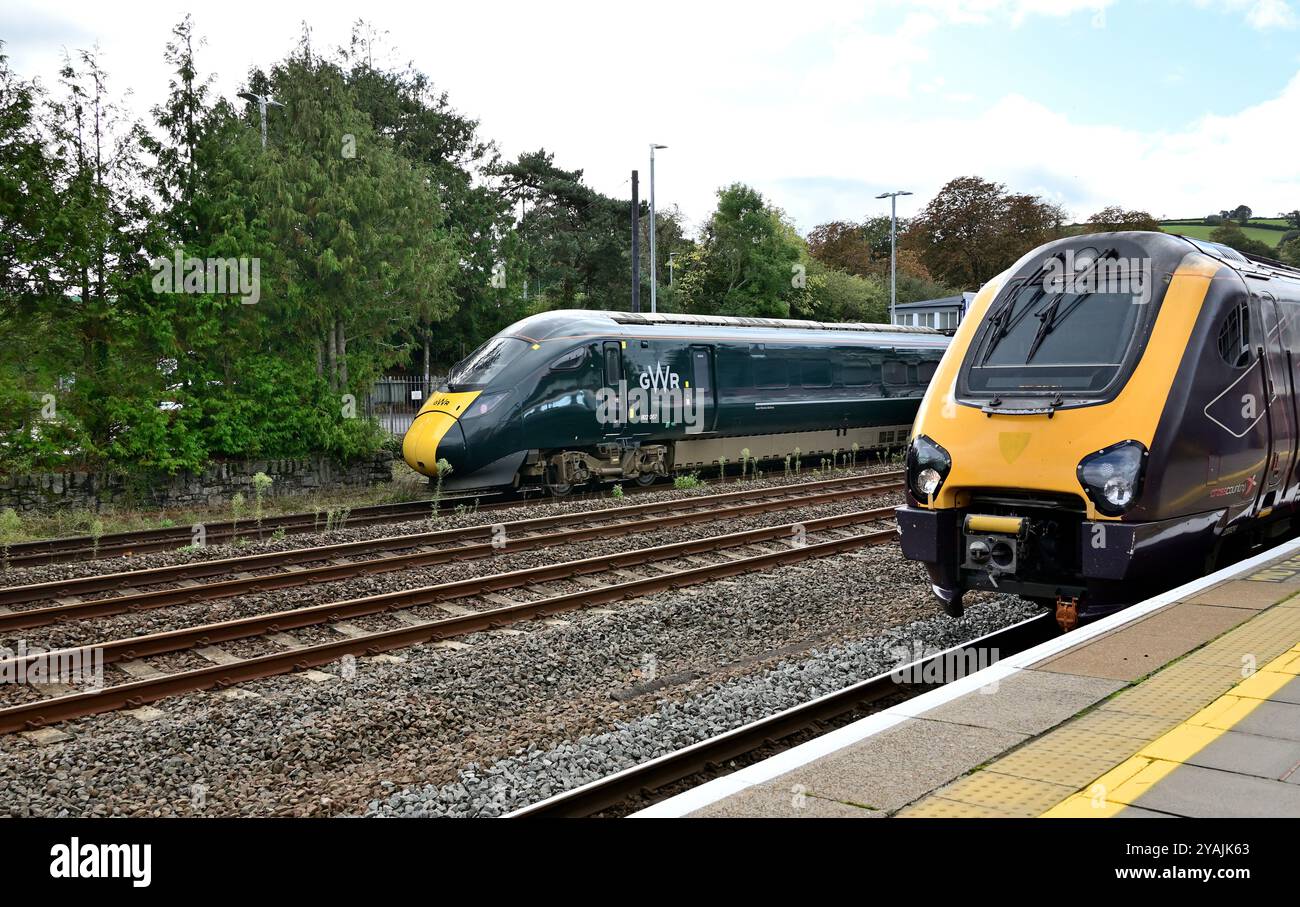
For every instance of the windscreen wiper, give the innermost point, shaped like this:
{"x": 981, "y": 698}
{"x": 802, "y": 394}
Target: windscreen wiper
{"x": 1001, "y": 321}
{"x": 1049, "y": 317}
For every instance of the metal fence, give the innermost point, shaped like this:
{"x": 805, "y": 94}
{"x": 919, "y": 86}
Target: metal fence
{"x": 393, "y": 401}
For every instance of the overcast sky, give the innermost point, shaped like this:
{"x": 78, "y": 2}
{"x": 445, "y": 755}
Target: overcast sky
{"x": 1180, "y": 107}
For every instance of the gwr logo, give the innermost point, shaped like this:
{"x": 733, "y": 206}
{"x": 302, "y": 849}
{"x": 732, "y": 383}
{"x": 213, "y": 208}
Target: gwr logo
{"x": 661, "y": 378}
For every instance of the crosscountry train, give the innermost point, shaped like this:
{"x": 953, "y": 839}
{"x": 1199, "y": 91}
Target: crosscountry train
{"x": 1117, "y": 414}
{"x": 565, "y": 398}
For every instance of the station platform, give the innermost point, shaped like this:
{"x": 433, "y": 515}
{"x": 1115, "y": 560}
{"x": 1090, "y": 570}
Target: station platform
{"x": 1184, "y": 705}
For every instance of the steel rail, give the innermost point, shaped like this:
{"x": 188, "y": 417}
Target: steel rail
{"x": 670, "y": 768}
{"x": 132, "y": 579}
{"x": 136, "y": 693}
{"x": 143, "y": 601}
{"x": 142, "y": 541}
{"x": 277, "y": 621}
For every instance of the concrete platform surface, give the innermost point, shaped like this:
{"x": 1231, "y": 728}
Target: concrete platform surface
{"x": 1184, "y": 705}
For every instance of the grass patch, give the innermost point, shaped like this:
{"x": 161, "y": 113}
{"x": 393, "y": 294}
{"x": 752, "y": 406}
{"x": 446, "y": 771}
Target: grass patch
{"x": 1269, "y": 237}
{"x": 407, "y": 485}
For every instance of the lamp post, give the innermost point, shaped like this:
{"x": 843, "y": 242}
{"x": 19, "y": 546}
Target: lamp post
{"x": 654, "y": 270}
{"x": 893, "y": 248}
{"x": 262, "y": 101}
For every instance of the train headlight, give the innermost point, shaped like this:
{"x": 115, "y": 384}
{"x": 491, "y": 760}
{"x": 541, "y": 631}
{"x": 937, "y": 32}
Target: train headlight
{"x": 927, "y": 467}
{"x": 1112, "y": 477}
{"x": 486, "y": 403}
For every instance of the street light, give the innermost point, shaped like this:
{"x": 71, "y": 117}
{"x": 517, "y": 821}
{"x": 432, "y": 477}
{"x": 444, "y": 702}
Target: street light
{"x": 893, "y": 246}
{"x": 262, "y": 101}
{"x": 654, "y": 271}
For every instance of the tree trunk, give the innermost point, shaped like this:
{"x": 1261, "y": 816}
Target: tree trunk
{"x": 343, "y": 355}
{"x": 331, "y": 357}
{"x": 428, "y": 335}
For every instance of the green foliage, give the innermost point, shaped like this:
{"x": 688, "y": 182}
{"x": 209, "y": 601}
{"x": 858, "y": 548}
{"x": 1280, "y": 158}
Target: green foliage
{"x": 11, "y": 529}
{"x": 690, "y": 480}
{"x": 1115, "y": 219}
{"x": 747, "y": 262}
{"x": 832, "y": 295}
{"x": 973, "y": 229}
{"x": 107, "y": 367}
{"x": 1290, "y": 252}
{"x": 1232, "y": 235}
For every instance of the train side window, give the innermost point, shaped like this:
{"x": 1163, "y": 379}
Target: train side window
{"x": 860, "y": 374}
{"x": 1234, "y": 336}
{"x": 613, "y": 364}
{"x": 816, "y": 373}
{"x": 925, "y": 371}
{"x": 570, "y": 360}
{"x": 771, "y": 371}
{"x": 895, "y": 373}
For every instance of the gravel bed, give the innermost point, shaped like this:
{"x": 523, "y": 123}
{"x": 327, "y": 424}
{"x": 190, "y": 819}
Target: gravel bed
{"x": 173, "y": 617}
{"x": 416, "y": 723}
{"x": 536, "y": 772}
{"x": 450, "y": 520}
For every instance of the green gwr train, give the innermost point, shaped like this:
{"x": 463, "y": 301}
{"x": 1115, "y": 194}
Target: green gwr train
{"x": 571, "y": 397}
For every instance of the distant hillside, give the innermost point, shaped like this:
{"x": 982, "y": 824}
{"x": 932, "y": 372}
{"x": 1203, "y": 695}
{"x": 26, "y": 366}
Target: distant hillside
{"x": 1269, "y": 230}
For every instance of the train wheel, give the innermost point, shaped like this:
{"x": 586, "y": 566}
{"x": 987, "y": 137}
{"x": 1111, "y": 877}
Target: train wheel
{"x": 557, "y": 488}
{"x": 645, "y": 479}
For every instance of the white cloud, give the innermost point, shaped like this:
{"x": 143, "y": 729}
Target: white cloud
{"x": 814, "y": 106}
{"x": 1260, "y": 14}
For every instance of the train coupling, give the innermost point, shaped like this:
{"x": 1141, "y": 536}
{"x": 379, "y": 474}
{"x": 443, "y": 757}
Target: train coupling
{"x": 993, "y": 543}
{"x": 1067, "y": 612}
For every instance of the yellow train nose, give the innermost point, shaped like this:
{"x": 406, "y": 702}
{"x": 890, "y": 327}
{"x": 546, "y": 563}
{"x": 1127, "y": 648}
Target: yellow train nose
{"x": 434, "y": 436}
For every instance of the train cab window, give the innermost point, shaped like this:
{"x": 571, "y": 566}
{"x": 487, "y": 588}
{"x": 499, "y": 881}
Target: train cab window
{"x": 570, "y": 360}
{"x": 1234, "y": 336}
{"x": 815, "y": 373}
{"x": 613, "y": 363}
{"x": 925, "y": 371}
{"x": 485, "y": 363}
{"x": 895, "y": 373}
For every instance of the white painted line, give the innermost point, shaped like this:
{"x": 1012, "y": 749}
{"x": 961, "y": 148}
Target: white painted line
{"x": 711, "y": 792}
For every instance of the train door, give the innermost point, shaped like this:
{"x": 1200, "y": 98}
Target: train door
{"x": 1282, "y": 412}
{"x": 1279, "y": 411}
{"x": 614, "y": 378}
{"x": 702, "y": 385}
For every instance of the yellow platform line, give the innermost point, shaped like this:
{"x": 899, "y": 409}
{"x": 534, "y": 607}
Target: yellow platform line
{"x": 1125, "y": 783}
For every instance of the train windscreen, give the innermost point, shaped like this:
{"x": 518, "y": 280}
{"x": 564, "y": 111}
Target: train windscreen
{"x": 486, "y": 362}
{"x": 1041, "y": 337}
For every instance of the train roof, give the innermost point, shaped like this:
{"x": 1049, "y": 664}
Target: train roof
{"x": 583, "y": 322}
{"x": 1166, "y": 250}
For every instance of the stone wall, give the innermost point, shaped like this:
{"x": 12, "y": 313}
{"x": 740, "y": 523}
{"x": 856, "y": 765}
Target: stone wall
{"x": 215, "y": 486}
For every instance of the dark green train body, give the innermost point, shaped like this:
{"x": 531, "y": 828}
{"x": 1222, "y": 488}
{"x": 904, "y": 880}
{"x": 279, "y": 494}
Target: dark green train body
{"x": 567, "y": 397}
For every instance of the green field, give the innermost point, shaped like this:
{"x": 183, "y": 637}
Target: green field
{"x": 1200, "y": 230}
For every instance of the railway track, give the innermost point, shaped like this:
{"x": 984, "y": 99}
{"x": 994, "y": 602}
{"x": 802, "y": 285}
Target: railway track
{"x": 453, "y": 544}
{"x": 642, "y": 782}
{"x": 143, "y": 541}
{"x": 40, "y": 713}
